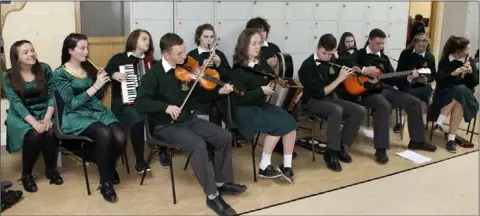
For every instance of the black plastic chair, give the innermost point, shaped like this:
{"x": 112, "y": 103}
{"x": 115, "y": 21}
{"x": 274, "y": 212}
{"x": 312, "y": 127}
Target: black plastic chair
{"x": 155, "y": 146}
{"x": 59, "y": 107}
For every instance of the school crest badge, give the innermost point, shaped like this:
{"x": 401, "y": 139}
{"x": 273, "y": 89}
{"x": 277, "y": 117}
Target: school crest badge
{"x": 185, "y": 86}
{"x": 381, "y": 66}
{"x": 332, "y": 70}
{"x": 425, "y": 64}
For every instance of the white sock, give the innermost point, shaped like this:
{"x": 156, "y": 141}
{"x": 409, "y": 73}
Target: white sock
{"x": 424, "y": 119}
{"x": 266, "y": 160}
{"x": 287, "y": 160}
{"x": 451, "y": 137}
{"x": 219, "y": 184}
{"x": 440, "y": 119}
{"x": 402, "y": 120}
{"x": 213, "y": 196}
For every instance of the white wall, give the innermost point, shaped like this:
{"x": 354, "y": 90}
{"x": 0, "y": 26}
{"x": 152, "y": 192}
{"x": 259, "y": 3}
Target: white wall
{"x": 295, "y": 26}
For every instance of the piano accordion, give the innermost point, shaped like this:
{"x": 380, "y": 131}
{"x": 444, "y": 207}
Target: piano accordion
{"x": 286, "y": 96}
{"x": 134, "y": 73}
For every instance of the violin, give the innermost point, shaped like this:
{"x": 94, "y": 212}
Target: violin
{"x": 209, "y": 79}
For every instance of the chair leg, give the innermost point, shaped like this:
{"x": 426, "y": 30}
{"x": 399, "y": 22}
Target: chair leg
{"x": 402, "y": 123}
{"x": 126, "y": 161}
{"x": 149, "y": 160}
{"x": 122, "y": 156}
{"x": 188, "y": 161}
{"x": 312, "y": 140}
{"x": 473, "y": 129}
{"x": 468, "y": 127}
{"x": 368, "y": 117}
{"x": 172, "y": 179}
{"x": 254, "y": 146}
{"x": 431, "y": 132}
{"x": 85, "y": 173}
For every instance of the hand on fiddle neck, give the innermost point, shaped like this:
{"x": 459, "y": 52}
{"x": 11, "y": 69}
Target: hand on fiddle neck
{"x": 226, "y": 89}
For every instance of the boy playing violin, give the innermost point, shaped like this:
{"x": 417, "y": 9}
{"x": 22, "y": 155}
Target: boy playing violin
{"x": 160, "y": 95}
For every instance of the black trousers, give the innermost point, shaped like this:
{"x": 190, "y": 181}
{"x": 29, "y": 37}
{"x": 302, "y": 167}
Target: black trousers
{"x": 110, "y": 142}
{"x": 34, "y": 143}
{"x": 193, "y": 136}
{"x": 137, "y": 138}
{"x": 334, "y": 111}
{"x": 383, "y": 103}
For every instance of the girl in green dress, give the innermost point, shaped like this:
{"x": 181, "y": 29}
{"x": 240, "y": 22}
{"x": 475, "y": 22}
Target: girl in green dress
{"x": 29, "y": 88}
{"x": 456, "y": 80}
{"x": 80, "y": 87}
{"x": 252, "y": 114}
{"x": 139, "y": 47}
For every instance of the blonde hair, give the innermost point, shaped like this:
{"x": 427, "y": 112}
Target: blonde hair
{"x": 418, "y": 38}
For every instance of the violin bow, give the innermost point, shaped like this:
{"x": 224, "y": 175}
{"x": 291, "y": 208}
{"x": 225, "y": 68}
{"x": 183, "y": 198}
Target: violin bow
{"x": 196, "y": 81}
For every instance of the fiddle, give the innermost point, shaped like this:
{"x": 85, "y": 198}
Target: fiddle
{"x": 209, "y": 79}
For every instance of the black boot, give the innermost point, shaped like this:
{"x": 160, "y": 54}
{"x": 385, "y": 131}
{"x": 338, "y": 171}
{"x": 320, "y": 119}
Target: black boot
{"x": 381, "y": 156}
{"x": 108, "y": 192}
{"x": 343, "y": 155}
{"x": 331, "y": 159}
{"x": 54, "y": 176}
{"x": 29, "y": 183}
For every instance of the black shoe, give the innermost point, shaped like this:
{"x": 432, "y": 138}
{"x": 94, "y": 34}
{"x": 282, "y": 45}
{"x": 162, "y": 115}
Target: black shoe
{"x": 219, "y": 206}
{"x": 381, "y": 156}
{"x": 29, "y": 183}
{"x": 231, "y": 189}
{"x": 142, "y": 166}
{"x": 10, "y": 198}
{"x": 331, "y": 159}
{"x": 270, "y": 172}
{"x": 164, "y": 158}
{"x": 422, "y": 146}
{"x": 438, "y": 128}
{"x": 287, "y": 173}
{"x": 343, "y": 155}
{"x": 6, "y": 184}
{"x": 108, "y": 192}
{"x": 116, "y": 178}
{"x": 54, "y": 177}
{"x": 451, "y": 146}
{"x": 397, "y": 128}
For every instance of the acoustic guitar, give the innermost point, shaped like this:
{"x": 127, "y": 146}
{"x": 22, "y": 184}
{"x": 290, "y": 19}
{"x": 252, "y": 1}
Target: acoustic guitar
{"x": 359, "y": 84}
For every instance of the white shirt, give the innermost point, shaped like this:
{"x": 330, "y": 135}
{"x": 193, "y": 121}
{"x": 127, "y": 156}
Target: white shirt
{"x": 265, "y": 44}
{"x": 166, "y": 66}
{"x": 131, "y": 53}
{"x": 422, "y": 53}
{"x": 252, "y": 63}
{"x": 201, "y": 50}
{"x": 315, "y": 58}
{"x": 451, "y": 58}
{"x": 369, "y": 51}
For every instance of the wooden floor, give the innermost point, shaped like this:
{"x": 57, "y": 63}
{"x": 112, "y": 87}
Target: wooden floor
{"x": 155, "y": 196}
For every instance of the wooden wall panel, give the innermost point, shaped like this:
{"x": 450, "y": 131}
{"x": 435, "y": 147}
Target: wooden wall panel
{"x": 101, "y": 49}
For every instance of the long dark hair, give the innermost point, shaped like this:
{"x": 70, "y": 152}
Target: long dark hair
{"x": 71, "y": 42}
{"x": 241, "y": 48}
{"x": 132, "y": 41}
{"x": 454, "y": 44}
{"x": 16, "y": 78}
{"x": 341, "y": 43}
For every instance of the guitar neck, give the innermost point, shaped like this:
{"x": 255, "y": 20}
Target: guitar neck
{"x": 396, "y": 74}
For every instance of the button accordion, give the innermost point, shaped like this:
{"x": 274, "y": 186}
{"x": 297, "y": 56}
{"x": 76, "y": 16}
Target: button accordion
{"x": 287, "y": 94}
{"x": 134, "y": 73}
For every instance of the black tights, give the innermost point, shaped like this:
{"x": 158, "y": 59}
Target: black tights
{"x": 33, "y": 143}
{"x": 109, "y": 145}
{"x": 137, "y": 137}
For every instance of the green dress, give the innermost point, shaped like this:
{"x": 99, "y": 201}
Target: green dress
{"x": 251, "y": 114}
{"x": 454, "y": 87}
{"x": 34, "y": 103}
{"x": 80, "y": 109}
